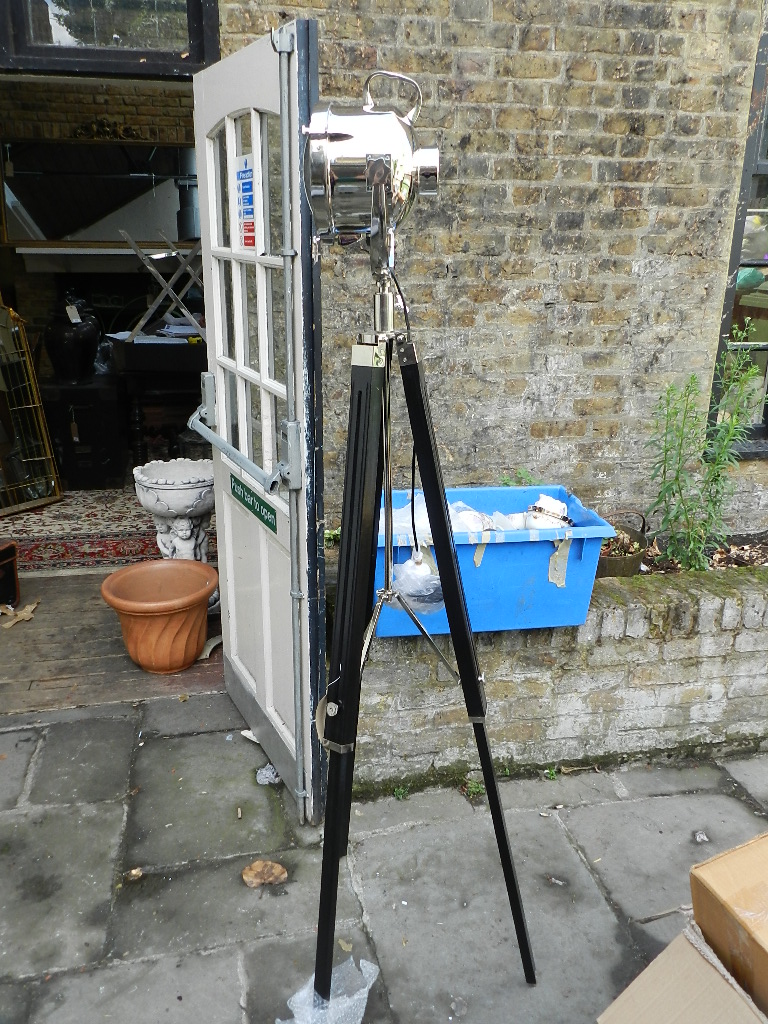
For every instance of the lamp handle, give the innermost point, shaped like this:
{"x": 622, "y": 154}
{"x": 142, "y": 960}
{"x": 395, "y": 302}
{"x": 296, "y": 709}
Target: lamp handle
{"x": 369, "y": 103}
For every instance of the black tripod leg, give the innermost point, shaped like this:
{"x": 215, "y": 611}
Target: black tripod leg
{"x": 458, "y": 620}
{"x": 357, "y": 557}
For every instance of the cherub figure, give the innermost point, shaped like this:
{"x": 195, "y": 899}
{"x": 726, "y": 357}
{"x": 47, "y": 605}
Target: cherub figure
{"x": 164, "y": 538}
{"x": 183, "y": 538}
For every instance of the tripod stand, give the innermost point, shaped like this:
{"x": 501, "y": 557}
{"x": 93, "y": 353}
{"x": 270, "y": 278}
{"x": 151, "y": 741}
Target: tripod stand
{"x": 368, "y": 468}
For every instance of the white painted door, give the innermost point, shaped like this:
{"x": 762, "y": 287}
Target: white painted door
{"x": 261, "y": 319}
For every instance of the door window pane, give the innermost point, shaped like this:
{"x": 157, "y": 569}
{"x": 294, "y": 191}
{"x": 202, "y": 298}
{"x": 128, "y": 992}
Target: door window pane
{"x": 230, "y": 401}
{"x": 275, "y": 283}
{"x": 250, "y": 297}
{"x": 227, "y": 325}
{"x": 243, "y": 134}
{"x": 272, "y": 183}
{"x": 221, "y": 227}
{"x": 257, "y": 441}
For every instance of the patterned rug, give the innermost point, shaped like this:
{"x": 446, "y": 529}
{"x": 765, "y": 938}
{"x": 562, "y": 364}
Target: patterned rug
{"x": 87, "y": 529}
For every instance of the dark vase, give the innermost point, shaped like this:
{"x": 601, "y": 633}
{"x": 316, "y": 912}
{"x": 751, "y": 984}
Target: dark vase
{"x": 71, "y": 343}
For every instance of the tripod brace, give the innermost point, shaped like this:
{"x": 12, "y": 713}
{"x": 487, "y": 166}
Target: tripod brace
{"x": 368, "y": 468}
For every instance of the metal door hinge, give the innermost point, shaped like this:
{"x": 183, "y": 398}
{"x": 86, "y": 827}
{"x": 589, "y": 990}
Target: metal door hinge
{"x": 208, "y": 405}
{"x": 284, "y": 38}
{"x": 290, "y": 454}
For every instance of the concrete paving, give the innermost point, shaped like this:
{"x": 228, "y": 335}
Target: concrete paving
{"x": 169, "y": 786}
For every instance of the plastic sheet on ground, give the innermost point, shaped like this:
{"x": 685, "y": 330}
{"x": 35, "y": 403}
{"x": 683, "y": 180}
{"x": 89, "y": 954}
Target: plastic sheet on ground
{"x": 349, "y": 994}
{"x": 268, "y": 776}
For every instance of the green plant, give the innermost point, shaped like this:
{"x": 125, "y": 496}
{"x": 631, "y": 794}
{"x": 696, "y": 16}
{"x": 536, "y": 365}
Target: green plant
{"x": 331, "y": 537}
{"x": 518, "y": 478}
{"x": 694, "y": 454}
{"x": 474, "y": 789}
{"x": 551, "y": 772}
{"x": 401, "y": 792}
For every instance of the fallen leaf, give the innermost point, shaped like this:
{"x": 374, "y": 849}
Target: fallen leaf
{"x": 133, "y": 875}
{"x": 183, "y": 697}
{"x": 24, "y": 615}
{"x": 346, "y": 946}
{"x": 264, "y": 872}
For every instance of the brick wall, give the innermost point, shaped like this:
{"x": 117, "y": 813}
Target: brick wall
{"x": 44, "y": 108}
{"x": 575, "y": 261}
{"x": 661, "y": 662}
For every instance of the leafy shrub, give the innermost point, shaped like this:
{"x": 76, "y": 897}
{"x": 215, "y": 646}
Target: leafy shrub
{"x": 694, "y": 456}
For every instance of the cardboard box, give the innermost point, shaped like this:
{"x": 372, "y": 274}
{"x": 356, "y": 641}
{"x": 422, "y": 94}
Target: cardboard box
{"x": 682, "y": 987}
{"x": 730, "y": 906}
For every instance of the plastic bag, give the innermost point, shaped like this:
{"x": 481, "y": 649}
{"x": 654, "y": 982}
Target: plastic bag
{"x": 465, "y": 519}
{"x": 419, "y": 583}
{"x": 349, "y": 995}
{"x": 512, "y": 521}
{"x": 402, "y": 525}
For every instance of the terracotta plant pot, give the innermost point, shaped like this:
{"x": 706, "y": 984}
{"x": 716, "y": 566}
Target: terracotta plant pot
{"x": 163, "y": 610}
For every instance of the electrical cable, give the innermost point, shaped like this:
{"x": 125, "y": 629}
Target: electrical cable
{"x": 413, "y": 448}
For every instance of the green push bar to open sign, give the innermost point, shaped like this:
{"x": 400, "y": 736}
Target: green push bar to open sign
{"x": 251, "y": 500}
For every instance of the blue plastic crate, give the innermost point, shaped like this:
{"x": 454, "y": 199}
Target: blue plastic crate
{"x": 516, "y": 579}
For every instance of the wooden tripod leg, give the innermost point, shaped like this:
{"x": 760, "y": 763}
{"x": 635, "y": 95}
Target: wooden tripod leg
{"x": 424, "y": 441}
{"x": 354, "y": 603}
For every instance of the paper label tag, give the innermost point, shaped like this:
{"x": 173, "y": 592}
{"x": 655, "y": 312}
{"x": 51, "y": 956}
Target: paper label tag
{"x": 73, "y": 315}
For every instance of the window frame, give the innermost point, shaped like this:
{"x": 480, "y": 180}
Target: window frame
{"x": 756, "y": 446}
{"x": 18, "y": 53}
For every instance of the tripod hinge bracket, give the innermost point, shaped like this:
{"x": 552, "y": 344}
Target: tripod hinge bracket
{"x": 369, "y": 351}
{"x": 330, "y": 709}
{"x": 406, "y": 350}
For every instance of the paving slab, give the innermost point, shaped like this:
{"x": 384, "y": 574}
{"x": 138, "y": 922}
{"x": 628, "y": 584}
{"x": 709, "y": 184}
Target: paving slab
{"x": 654, "y": 936}
{"x": 124, "y": 711}
{"x": 276, "y": 969}
{"x": 429, "y": 806}
{"x": 189, "y": 792}
{"x": 642, "y": 850}
{"x": 437, "y": 911}
{"x": 173, "y": 716}
{"x": 204, "y": 988}
{"x": 16, "y": 750}
{"x": 15, "y": 1001}
{"x": 209, "y": 906}
{"x": 570, "y": 790}
{"x": 83, "y": 763}
{"x": 56, "y": 873}
{"x": 666, "y": 780}
{"x": 752, "y": 774}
